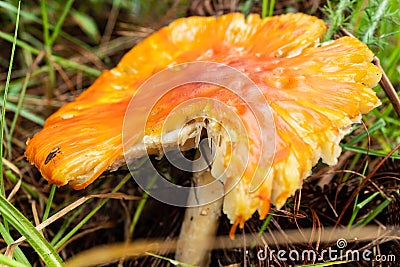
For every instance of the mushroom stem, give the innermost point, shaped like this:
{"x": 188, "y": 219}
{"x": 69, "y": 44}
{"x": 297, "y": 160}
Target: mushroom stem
{"x": 199, "y": 226}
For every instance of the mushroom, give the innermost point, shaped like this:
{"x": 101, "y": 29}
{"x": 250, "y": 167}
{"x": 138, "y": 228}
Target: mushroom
{"x": 299, "y": 100}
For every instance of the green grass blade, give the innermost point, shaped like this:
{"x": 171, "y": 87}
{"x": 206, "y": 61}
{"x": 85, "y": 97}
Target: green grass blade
{"x": 356, "y": 207}
{"x": 47, "y": 47}
{"x": 359, "y": 206}
{"x": 376, "y": 126}
{"x": 80, "y": 224}
{"x": 374, "y": 212}
{"x": 11, "y": 8}
{"x": 265, "y": 223}
{"x": 45, "y": 21}
{"x": 368, "y": 152}
{"x": 25, "y": 113}
{"x": 366, "y": 201}
{"x": 67, "y": 223}
{"x": 77, "y": 66}
{"x": 49, "y": 202}
{"x": 56, "y": 29}
{"x": 62, "y": 61}
{"x": 3, "y": 110}
{"x": 140, "y": 207}
{"x": 264, "y": 8}
{"x": 18, "y": 254}
{"x": 19, "y": 43}
{"x": 60, "y": 22}
{"x": 25, "y": 228}
{"x": 172, "y": 261}
{"x": 138, "y": 212}
{"x": 17, "y": 112}
{"x": 90, "y": 215}
{"x": 87, "y": 24}
{"x": 245, "y": 7}
{"x": 271, "y": 8}
{"x": 6, "y": 261}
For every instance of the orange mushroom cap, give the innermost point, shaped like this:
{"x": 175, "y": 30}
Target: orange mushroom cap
{"x": 315, "y": 91}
